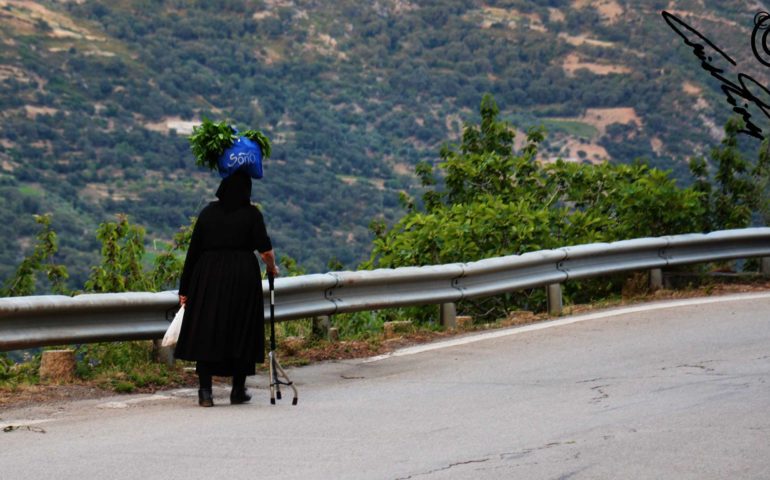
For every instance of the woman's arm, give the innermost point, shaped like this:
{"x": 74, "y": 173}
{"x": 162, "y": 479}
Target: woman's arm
{"x": 269, "y": 258}
{"x": 262, "y": 243}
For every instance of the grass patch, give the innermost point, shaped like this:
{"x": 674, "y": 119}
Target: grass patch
{"x": 31, "y": 191}
{"x": 125, "y": 367}
{"x": 14, "y": 375}
{"x": 571, "y": 127}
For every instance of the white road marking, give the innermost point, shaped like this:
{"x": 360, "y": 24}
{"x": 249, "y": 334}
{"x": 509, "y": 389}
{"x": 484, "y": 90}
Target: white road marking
{"x": 134, "y": 401}
{"x": 565, "y": 321}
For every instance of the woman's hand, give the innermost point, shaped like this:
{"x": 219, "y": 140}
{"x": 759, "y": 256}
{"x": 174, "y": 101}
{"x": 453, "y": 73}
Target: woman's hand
{"x": 269, "y": 259}
{"x": 273, "y": 271}
{"x": 182, "y": 299}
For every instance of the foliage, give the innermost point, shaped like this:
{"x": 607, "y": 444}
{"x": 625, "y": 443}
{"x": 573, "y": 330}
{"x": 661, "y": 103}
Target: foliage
{"x": 350, "y": 88}
{"x": 123, "y": 366}
{"x": 736, "y": 189}
{"x": 496, "y": 202}
{"x": 41, "y": 259}
{"x": 622, "y": 201}
{"x": 13, "y": 374}
{"x": 209, "y": 141}
{"x": 761, "y": 173}
{"x": 290, "y": 267}
{"x": 122, "y": 251}
{"x": 122, "y": 267}
{"x": 168, "y": 265}
{"x": 358, "y": 325}
{"x": 260, "y": 139}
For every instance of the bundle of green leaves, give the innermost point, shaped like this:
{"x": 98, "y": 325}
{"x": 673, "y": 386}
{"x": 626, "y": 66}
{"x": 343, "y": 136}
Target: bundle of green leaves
{"x": 209, "y": 140}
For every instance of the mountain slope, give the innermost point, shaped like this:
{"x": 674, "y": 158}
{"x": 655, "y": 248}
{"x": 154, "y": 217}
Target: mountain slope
{"x": 96, "y": 99}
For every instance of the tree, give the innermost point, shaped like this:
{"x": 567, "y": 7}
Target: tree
{"x": 41, "y": 259}
{"x": 736, "y": 189}
{"x": 168, "y": 265}
{"x": 494, "y": 201}
{"x": 122, "y": 251}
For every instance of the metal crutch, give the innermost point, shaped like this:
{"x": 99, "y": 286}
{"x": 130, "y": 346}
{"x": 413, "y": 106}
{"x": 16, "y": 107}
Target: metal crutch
{"x": 278, "y": 376}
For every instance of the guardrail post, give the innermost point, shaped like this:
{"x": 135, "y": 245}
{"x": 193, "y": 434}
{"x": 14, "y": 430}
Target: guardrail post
{"x": 161, "y": 354}
{"x": 448, "y": 314}
{"x": 334, "y": 334}
{"x": 656, "y": 279}
{"x": 554, "y": 299}
{"x": 764, "y": 266}
{"x": 321, "y": 326}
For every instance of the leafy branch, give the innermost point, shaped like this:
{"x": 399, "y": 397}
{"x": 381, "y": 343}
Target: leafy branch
{"x": 209, "y": 141}
{"x": 41, "y": 259}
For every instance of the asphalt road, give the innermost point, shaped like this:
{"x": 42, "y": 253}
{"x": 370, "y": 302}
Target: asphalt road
{"x": 680, "y": 392}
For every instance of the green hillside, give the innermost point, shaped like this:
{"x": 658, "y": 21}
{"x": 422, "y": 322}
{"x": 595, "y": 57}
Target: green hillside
{"x": 97, "y": 97}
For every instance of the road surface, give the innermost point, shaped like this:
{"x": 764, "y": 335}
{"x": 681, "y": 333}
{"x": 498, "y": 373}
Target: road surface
{"x": 676, "y": 390}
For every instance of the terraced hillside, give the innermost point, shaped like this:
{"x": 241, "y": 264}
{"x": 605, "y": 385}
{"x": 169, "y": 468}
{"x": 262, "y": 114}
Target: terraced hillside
{"x": 96, "y": 98}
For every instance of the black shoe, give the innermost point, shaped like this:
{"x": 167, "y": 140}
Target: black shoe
{"x": 239, "y": 395}
{"x": 205, "y": 397}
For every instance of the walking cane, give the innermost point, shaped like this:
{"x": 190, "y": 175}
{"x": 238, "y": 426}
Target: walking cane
{"x": 278, "y": 376}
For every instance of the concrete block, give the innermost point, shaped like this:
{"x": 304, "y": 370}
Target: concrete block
{"x": 57, "y": 365}
{"x": 392, "y": 328}
{"x": 464, "y": 322}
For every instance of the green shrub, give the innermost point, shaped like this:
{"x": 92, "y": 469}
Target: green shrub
{"x": 14, "y": 374}
{"x": 124, "y": 366}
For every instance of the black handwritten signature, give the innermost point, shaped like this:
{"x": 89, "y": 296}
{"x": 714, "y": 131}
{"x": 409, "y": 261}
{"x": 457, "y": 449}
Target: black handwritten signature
{"x": 742, "y": 90}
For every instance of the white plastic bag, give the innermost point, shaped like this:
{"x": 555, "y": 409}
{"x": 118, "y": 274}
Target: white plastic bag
{"x": 172, "y": 334}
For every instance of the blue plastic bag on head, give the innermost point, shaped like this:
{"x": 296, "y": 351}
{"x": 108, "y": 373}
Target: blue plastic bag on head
{"x": 243, "y": 154}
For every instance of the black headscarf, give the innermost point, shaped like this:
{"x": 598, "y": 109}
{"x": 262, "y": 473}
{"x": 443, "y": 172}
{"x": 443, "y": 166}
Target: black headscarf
{"x": 235, "y": 191}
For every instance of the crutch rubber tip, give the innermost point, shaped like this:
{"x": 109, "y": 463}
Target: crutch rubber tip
{"x": 294, "y": 402}
{"x": 278, "y": 395}
{"x": 272, "y": 401}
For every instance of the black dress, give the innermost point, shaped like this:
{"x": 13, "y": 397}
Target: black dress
{"x": 223, "y": 325}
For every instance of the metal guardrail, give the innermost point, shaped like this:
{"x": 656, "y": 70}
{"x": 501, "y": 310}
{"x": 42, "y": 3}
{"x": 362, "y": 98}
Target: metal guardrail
{"x": 35, "y": 321}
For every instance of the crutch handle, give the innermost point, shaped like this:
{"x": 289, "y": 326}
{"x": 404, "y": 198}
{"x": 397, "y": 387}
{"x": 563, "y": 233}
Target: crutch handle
{"x": 271, "y": 280}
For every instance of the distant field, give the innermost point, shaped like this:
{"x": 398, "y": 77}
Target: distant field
{"x": 30, "y": 190}
{"x": 571, "y": 127}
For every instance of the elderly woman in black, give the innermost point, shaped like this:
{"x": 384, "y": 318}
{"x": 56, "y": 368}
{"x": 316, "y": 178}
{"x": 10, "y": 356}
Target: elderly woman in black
{"x": 221, "y": 288}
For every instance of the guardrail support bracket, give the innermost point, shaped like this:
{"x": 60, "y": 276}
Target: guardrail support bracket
{"x": 764, "y": 266}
